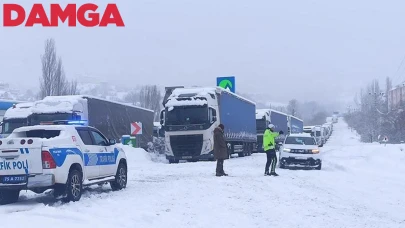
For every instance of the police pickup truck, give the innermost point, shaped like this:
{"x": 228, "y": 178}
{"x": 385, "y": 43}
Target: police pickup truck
{"x": 61, "y": 157}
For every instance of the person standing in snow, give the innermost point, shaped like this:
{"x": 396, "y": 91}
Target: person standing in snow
{"x": 269, "y": 147}
{"x": 220, "y": 150}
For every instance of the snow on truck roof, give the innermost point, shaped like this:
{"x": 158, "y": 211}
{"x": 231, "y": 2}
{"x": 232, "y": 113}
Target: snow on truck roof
{"x": 51, "y": 104}
{"x": 300, "y": 135}
{"x": 203, "y": 91}
{"x": 21, "y": 110}
{"x": 260, "y": 113}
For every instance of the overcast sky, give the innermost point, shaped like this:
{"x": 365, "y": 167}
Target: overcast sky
{"x": 308, "y": 50}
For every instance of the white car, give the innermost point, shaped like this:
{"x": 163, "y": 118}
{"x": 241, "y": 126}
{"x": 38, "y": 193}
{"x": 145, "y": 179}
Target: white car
{"x": 60, "y": 157}
{"x": 300, "y": 150}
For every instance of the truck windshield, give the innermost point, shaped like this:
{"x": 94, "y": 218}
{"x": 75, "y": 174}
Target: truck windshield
{"x": 36, "y": 119}
{"x": 260, "y": 125}
{"x": 11, "y": 124}
{"x": 185, "y": 115}
{"x": 300, "y": 140}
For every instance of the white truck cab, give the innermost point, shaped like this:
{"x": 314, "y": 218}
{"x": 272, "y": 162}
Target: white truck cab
{"x": 300, "y": 150}
{"x": 60, "y": 157}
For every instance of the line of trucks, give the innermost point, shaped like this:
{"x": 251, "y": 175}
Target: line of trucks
{"x": 187, "y": 121}
{"x": 113, "y": 119}
{"x": 190, "y": 116}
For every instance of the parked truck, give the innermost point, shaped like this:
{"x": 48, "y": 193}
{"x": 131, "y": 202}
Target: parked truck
{"x": 113, "y": 119}
{"x": 295, "y": 125}
{"x": 190, "y": 116}
{"x": 15, "y": 117}
{"x": 263, "y": 118}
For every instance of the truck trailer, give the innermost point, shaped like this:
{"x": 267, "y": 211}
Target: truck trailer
{"x": 113, "y": 119}
{"x": 296, "y": 125}
{"x": 190, "y": 116}
{"x": 263, "y": 118}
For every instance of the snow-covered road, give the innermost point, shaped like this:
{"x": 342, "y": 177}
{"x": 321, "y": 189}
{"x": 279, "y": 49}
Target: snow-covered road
{"x": 360, "y": 185}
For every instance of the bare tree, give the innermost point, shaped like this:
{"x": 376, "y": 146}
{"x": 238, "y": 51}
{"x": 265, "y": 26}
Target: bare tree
{"x": 49, "y": 68}
{"x": 150, "y": 98}
{"x": 292, "y": 107}
{"x": 53, "y": 81}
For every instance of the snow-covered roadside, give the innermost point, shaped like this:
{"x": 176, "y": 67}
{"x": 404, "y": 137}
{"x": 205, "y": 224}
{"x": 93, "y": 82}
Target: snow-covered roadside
{"x": 359, "y": 186}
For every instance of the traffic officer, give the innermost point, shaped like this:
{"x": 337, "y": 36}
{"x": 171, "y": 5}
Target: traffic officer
{"x": 269, "y": 147}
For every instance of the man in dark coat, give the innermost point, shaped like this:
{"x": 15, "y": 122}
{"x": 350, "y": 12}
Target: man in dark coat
{"x": 220, "y": 150}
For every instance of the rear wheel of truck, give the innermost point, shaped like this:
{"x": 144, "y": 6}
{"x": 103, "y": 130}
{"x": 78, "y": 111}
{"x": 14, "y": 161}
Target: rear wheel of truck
{"x": 9, "y": 196}
{"x": 121, "y": 178}
{"x": 74, "y": 186}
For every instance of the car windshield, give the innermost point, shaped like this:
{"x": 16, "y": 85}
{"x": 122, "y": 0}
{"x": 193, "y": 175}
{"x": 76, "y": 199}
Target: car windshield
{"x": 185, "y": 115}
{"x": 10, "y": 125}
{"x": 300, "y": 140}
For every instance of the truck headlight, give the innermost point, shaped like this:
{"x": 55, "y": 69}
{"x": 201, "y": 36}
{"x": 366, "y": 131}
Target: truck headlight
{"x": 286, "y": 150}
{"x": 316, "y": 151}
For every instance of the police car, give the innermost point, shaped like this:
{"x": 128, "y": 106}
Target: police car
{"x": 300, "y": 150}
{"x": 61, "y": 157}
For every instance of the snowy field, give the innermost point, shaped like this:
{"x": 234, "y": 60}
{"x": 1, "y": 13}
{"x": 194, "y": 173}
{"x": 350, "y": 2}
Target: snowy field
{"x": 360, "y": 185}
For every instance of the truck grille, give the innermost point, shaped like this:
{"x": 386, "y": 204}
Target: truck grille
{"x": 186, "y": 145}
{"x": 301, "y": 151}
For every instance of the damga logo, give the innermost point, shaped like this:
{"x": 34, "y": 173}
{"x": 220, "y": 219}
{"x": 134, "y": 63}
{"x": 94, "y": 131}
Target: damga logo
{"x": 88, "y": 15}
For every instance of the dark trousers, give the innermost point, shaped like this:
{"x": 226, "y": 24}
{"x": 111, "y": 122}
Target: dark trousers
{"x": 220, "y": 166}
{"x": 271, "y": 160}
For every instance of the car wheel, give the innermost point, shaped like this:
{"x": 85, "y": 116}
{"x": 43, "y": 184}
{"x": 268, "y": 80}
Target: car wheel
{"x": 74, "y": 186}
{"x": 121, "y": 178}
{"x": 9, "y": 196}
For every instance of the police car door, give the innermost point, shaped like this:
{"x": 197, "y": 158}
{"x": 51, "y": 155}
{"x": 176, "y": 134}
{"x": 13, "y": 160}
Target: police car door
{"x": 106, "y": 155}
{"x": 90, "y": 154}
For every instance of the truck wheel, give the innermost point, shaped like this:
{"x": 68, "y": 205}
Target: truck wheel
{"x": 121, "y": 178}
{"x": 74, "y": 186}
{"x": 9, "y": 196}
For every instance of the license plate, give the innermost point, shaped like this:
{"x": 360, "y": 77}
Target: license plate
{"x": 16, "y": 179}
{"x": 187, "y": 157}
{"x": 300, "y": 158}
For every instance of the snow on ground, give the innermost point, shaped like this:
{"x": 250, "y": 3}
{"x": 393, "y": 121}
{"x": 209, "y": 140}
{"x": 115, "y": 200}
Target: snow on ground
{"x": 360, "y": 185}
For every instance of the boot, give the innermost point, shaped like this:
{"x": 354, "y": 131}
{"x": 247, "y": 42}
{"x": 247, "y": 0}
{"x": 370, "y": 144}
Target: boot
{"x": 219, "y": 175}
{"x": 266, "y": 173}
{"x": 274, "y": 174}
{"x": 224, "y": 174}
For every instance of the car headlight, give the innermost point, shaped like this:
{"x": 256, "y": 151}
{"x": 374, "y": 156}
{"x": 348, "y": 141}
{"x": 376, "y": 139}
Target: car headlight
{"x": 286, "y": 150}
{"x": 316, "y": 151}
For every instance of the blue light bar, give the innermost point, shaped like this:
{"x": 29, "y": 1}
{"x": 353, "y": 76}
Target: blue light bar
{"x": 77, "y": 122}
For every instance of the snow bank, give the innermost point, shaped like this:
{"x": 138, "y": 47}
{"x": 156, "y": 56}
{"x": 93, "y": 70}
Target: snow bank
{"x": 140, "y": 156}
